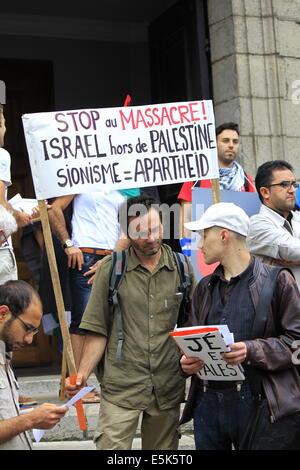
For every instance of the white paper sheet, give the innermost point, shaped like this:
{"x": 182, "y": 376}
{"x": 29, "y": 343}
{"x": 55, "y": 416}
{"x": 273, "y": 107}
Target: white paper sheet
{"x": 23, "y": 204}
{"x": 38, "y": 433}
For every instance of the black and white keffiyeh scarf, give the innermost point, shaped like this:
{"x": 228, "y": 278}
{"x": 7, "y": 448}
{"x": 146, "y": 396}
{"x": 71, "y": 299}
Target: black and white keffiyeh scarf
{"x": 232, "y": 178}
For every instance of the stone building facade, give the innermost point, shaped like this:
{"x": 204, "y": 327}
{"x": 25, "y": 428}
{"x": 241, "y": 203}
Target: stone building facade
{"x": 255, "y": 59}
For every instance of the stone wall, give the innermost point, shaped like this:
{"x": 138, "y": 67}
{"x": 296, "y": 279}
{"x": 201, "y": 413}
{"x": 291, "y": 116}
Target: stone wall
{"x": 255, "y": 53}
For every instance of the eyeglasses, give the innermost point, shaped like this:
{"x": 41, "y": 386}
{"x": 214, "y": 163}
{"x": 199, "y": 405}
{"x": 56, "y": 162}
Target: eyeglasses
{"x": 285, "y": 184}
{"x": 30, "y": 329}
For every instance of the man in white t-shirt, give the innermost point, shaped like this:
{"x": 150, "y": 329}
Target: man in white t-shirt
{"x": 8, "y": 266}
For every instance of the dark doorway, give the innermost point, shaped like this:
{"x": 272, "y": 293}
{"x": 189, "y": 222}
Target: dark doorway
{"x": 180, "y": 64}
{"x": 29, "y": 89}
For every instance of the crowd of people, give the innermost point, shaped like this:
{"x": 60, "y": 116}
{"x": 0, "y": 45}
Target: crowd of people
{"x": 121, "y": 331}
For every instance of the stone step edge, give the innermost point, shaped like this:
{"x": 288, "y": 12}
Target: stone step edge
{"x": 34, "y": 387}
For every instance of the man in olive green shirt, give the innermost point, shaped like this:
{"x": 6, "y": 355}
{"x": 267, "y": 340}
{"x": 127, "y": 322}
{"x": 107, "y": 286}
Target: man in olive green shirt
{"x": 146, "y": 380}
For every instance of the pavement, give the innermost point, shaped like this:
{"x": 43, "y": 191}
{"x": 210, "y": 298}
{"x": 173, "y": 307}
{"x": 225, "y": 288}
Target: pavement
{"x": 43, "y": 384}
{"x": 186, "y": 443}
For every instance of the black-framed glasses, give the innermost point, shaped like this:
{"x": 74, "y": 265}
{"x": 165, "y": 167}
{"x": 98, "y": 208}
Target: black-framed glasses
{"x": 285, "y": 184}
{"x": 29, "y": 329}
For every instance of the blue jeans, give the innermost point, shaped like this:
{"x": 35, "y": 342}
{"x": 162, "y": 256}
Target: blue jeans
{"x": 80, "y": 291}
{"x": 221, "y": 417}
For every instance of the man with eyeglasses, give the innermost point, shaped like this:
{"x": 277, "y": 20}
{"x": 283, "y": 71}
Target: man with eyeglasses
{"x": 20, "y": 316}
{"x": 274, "y": 233}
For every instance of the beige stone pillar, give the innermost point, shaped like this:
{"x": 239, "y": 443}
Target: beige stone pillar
{"x": 255, "y": 54}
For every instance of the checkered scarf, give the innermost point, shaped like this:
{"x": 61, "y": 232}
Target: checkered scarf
{"x": 232, "y": 178}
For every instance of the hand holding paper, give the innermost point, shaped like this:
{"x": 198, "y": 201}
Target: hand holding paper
{"x": 191, "y": 365}
{"x": 45, "y": 416}
{"x": 237, "y": 354}
{"x": 61, "y": 410}
{"x": 209, "y": 345}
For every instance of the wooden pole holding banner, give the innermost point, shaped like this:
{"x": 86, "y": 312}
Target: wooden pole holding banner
{"x": 215, "y": 184}
{"x": 68, "y": 357}
{"x": 63, "y": 376}
{"x": 57, "y": 288}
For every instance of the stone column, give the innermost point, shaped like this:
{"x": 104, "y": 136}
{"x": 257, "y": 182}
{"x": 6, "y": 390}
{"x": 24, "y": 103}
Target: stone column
{"x": 255, "y": 54}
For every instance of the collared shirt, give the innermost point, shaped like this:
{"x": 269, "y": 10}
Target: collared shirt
{"x": 272, "y": 237}
{"x": 9, "y": 402}
{"x": 231, "y": 302}
{"x": 149, "y": 303}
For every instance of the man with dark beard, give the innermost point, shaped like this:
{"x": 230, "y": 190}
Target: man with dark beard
{"x": 146, "y": 379}
{"x": 20, "y": 316}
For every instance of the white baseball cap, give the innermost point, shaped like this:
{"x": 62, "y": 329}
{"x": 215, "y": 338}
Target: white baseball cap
{"x": 225, "y": 215}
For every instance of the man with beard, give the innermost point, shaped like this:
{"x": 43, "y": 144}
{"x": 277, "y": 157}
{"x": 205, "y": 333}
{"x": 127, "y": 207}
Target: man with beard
{"x": 146, "y": 379}
{"x": 20, "y": 316}
{"x": 274, "y": 234}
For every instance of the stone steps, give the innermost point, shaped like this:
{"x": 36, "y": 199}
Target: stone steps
{"x": 45, "y": 388}
{"x": 186, "y": 443}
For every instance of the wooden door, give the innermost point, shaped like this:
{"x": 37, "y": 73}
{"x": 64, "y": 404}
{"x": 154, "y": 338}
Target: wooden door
{"x": 180, "y": 64}
{"x": 29, "y": 88}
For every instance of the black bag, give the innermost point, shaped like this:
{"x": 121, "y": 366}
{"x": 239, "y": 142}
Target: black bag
{"x": 261, "y": 433}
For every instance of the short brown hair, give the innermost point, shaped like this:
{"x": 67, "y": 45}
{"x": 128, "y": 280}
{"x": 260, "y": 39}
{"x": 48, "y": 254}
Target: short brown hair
{"x": 227, "y": 125}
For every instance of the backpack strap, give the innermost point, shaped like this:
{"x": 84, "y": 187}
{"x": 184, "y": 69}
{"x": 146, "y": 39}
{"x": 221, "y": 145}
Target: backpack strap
{"x": 117, "y": 273}
{"x": 185, "y": 284}
{"x": 246, "y": 182}
{"x": 255, "y": 375}
{"x": 265, "y": 299}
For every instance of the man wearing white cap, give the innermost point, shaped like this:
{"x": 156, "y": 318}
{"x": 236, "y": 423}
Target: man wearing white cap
{"x": 222, "y": 409}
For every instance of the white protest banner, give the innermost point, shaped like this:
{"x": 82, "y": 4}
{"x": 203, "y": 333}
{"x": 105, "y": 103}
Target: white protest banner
{"x": 207, "y": 343}
{"x": 78, "y": 151}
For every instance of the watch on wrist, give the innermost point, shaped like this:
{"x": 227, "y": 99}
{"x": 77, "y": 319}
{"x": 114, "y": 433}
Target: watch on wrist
{"x": 68, "y": 244}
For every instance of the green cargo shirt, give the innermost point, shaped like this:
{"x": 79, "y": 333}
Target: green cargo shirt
{"x": 149, "y": 304}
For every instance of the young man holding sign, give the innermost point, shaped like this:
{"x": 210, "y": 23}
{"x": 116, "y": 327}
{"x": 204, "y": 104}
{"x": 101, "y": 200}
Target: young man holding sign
{"x": 230, "y": 296}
